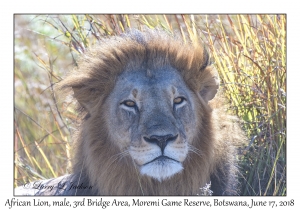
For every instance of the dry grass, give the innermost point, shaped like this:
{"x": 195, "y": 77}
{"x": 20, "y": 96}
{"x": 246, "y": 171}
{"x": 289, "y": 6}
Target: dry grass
{"x": 249, "y": 52}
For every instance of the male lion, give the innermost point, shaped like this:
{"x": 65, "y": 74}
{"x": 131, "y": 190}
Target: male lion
{"x": 150, "y": 125}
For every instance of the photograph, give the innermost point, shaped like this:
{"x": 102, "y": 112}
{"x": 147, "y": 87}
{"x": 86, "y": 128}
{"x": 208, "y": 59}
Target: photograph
{"x": 150, "y": 105}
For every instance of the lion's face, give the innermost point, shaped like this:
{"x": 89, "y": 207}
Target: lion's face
{"x": 152, "y": 117}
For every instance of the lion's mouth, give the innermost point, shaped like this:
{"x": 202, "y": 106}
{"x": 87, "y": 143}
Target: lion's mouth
{"x": 161, "y": 158}
{"x": 161, "y": 167}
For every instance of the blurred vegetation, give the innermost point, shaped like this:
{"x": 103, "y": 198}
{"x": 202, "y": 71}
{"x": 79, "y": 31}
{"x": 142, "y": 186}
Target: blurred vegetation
{"x": 249, "y": 52}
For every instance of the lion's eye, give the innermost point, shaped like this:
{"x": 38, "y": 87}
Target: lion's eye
{"x": 129, "y": 103}
{"x": 178, "y": 100}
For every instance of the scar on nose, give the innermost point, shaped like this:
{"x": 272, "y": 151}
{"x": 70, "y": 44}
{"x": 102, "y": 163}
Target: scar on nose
{"x": 134, "y": 92}
{"x": 174, "y": 90}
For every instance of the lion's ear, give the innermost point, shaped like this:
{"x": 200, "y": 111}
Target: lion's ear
{"x": 84, "y": 91}
{"x": 85, "y": 97}
{"x": 209, "y": 83}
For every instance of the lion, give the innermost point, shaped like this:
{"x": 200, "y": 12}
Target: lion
{"x": 153, "y": 121}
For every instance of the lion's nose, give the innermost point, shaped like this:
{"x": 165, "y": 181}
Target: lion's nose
{"x": 161, "y": 141}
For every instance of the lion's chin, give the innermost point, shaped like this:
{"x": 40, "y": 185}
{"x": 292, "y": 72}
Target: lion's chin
{"x": 161, "y": 170}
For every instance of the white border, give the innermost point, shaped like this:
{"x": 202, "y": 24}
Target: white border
{"x": 154, "y": 6}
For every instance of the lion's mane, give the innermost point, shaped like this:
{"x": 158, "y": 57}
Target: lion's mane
{"x": 95, "y": 160}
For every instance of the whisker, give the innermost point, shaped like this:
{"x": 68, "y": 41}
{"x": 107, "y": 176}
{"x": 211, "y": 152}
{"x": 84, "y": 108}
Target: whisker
{"x": 137, "y": 173}
{"x": 118, "y": 157}
{"x": 195, "y": 150}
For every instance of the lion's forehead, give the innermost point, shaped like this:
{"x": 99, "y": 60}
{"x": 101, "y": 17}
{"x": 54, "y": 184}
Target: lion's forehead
{"x": 151, "y": 81}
